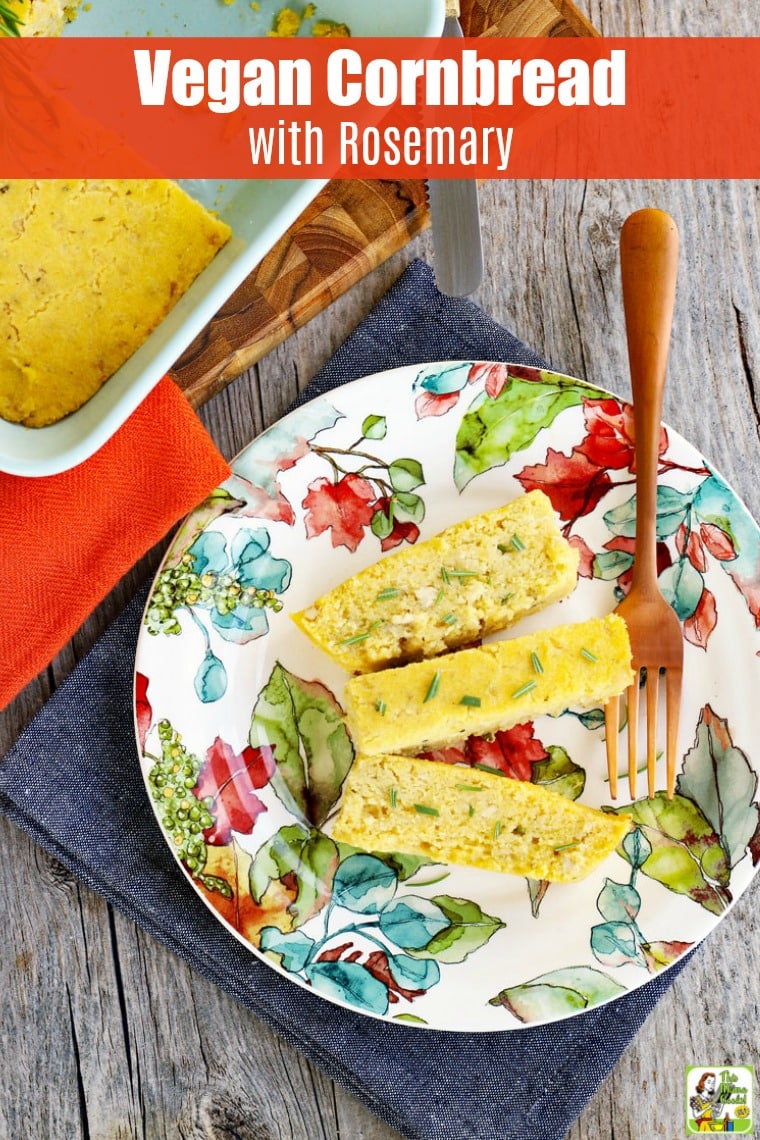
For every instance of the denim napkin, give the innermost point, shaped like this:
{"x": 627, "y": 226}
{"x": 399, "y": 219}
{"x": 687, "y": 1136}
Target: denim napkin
{"x": 74, "y": 778}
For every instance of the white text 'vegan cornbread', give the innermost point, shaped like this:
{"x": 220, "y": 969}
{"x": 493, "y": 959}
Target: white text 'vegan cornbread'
{"x": 455, "y": 814}
{"x": 88, "y": 268}
{"x": 475, "y": 577}
{"x": 429, "y": 704}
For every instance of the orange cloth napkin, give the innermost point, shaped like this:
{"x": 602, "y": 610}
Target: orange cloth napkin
{"x": 66, "y": 540}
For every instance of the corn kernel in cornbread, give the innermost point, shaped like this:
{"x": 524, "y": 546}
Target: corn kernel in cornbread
{"x": 429, "y": 704}
{"x": 42, "y": 17}
{"x": 455, "y": 814}
{"x": 475, "y": 577}
{"x": 88, "y": 269}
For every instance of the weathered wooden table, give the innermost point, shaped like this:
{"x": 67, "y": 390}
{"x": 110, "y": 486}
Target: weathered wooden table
{"x": 104, "y": 1033}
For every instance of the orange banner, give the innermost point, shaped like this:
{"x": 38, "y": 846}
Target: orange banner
{"x": 491, "y": 108}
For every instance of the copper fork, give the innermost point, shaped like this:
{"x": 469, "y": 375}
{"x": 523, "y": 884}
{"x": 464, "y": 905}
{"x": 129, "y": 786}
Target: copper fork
{"x": 649, "y": 265}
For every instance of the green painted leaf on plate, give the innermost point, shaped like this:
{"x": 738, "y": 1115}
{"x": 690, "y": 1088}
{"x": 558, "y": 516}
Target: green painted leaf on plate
{"x": 406, "y": 474}
{"x": 559, "y": 773}
{"x": 375, "y": 427}
{"x": 469, "y": 928}
{"x": 686, "y": 856}
{"x": 558, "y": 993}
{"x": 717, "y": 776}
{"x": 308, "y": 858}
{"x": 492, "y": 430}
{"x": 303, "y": 722}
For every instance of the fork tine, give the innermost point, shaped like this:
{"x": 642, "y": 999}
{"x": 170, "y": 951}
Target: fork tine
{"x": 633, "y": 733}
{"x": 673, "y": 678}
{"x": 653, "y": 682}
{"x": 611, "y": 727}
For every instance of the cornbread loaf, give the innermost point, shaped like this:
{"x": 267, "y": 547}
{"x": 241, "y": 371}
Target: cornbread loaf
{"x": 455, "y": 814}
{"x": 88, "y": 269}
{"x": 429, "y": 704}
{"x": 42, "y": 17}
{"x": 475, "y": 577}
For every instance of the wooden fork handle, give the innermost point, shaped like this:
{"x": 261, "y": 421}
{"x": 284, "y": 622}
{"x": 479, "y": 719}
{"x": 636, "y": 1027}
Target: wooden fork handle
{"x": 649, "y": 266}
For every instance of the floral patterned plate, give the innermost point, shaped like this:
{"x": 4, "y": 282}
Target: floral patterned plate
{"x": 239, "y": 717}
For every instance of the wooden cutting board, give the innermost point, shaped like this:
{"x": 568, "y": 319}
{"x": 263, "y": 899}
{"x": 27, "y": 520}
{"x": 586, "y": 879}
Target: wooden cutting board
{"x": 349, "y": 229}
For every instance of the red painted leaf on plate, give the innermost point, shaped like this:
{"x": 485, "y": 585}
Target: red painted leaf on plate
{"x": 690, "y": 545}
{"x": 344, "y": 508}
{"x": 698, "y": 627}
{"x": 143, "y": 711}
{"x": 610, "y": 439}
{"x": 573, "y": 484}
{"x": 658, "y": 955}
{"x": 496, "y": 376}
{"x": 717, "y": 542}
{"x": 428, "y": 404}
{"x": 512, "y": 752}
{"x": 585, "y": 556}
{"x": 229, "y": 779}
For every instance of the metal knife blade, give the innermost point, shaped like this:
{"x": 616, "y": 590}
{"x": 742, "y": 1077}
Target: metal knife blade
{"x": 455, "y": 213}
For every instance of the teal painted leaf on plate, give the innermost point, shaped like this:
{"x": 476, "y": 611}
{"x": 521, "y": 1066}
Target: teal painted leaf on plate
{"x": 637, "y": 848}
{"x": 411, "y": 922}
{"x": 291, "y": 951}
{"x": 686, "y": 856}
{"x": 303, "y": 722}
{"x": 210, "y": 682}
{"x": 241, "y": 625}
{"x": 608, "y": 565}
{"x": 349, "y": 982}
{"x": 254, "y": 563}
{"x": 413, "y": 973}
{"x": 209, "y": 553}
{"x": 493, "y": 430}
{"x": 682, "y": 586}
{"x": 443, "y": 381}
{"x": 615, "y": 944}
{"x": 558, "y": 994}
{"x": 717, "y": 776}
{"x": 619, "y": 902}
{"x": 469, "y": 928}
{"x": 672, "y": 509}
{"x": 364, "y": 884}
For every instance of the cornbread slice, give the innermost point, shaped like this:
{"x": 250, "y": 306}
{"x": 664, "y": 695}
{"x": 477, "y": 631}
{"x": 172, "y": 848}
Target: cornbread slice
{"x": 429, "y": 704}
{"x": 88, "y": 269}
{"x": 43, "y": 17}
{"x": 456, "y": 814}
{"x": 475, "y": 577}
